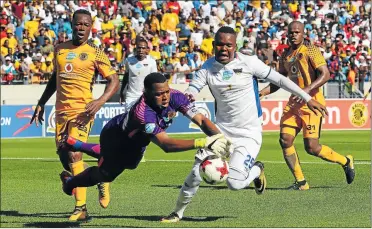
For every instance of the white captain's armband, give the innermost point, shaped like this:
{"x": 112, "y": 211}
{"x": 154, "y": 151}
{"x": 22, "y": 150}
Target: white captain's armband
{"x": 192, "y": 110}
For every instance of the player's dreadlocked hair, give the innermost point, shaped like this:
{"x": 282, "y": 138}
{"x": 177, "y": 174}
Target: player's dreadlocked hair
{"x": 225, "y": 29}
{"x": 81, "y": 11}
{"x": 153, "y": 78}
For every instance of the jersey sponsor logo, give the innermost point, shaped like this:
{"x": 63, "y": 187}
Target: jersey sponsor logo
{"x": 83, "y": 56}
{"x": 70, "y": 56}
{"x": 358, "y": 114}
{"x": 150, "y": 127}
{"x": 68, "y": 67}
{"x": 226, "y": 75}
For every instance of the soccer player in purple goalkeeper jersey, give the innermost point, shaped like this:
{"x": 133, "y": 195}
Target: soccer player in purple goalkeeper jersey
{"x": 124, "y": 138}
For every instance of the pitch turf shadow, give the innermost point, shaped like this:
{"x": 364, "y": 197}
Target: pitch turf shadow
{"x": 157, "y": 218}
{"x": 179, "y": 186}
{"x": 287, "y": 189}
{"x": 42, "y": 215}
{"x": 52, "y": 224}
{"x": 226, "y": 188}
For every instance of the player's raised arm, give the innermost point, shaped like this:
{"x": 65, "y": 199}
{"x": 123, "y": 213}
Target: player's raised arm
{"x": 271, "y": 88}
{"x": 50, "y": 88}
{"x": 263, "y": 71}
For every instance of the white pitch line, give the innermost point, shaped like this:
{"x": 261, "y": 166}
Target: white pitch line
{"x": 269, "y": 162}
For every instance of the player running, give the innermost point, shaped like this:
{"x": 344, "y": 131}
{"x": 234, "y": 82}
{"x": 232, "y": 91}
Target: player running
{"x": 76, "y": 62}
{"x": 305, "y": 66}
{"x": 232, "y": 79}
{"x": 124, "y": 138}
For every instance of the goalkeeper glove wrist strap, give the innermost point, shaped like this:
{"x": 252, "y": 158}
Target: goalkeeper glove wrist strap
{"x": 199, "y": 142}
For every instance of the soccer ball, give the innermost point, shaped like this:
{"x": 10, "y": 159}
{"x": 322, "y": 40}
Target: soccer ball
{"x": 214, "y": 170}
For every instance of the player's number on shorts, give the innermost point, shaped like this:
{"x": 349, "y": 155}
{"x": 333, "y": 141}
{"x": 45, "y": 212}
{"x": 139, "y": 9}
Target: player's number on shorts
{"x": 310, "y": 127}
{"x": 249, "y": 161}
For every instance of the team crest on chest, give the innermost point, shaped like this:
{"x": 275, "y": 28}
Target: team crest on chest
{"x": 83, "y": 56}
{"x": 226, "y": 75}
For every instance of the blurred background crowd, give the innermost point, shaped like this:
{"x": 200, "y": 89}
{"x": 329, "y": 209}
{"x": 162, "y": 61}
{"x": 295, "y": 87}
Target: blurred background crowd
{"x": 180, "y": 33}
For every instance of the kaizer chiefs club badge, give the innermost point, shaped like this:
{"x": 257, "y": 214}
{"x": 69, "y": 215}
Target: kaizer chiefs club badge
{"x": 83, "y": 56}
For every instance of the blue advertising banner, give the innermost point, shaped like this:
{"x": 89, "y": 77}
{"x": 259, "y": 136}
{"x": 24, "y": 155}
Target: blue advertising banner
{"x": 180, "y": 125}
{"x": 15, "y": 122}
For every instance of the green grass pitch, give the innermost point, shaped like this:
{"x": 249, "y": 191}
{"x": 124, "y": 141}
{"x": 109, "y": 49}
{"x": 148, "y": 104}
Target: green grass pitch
{"x": 31, "y": 194}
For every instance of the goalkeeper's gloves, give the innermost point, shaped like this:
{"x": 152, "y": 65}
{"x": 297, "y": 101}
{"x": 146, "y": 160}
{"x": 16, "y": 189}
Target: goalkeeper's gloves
{"x": 217, "y": 143}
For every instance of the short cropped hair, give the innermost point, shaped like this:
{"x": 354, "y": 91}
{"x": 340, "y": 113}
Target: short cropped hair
{"x": 225, "y": 29}
{"x": 153, "y": 78}
{"x": 140, "y": 39}
{"x": 81, "y": 11}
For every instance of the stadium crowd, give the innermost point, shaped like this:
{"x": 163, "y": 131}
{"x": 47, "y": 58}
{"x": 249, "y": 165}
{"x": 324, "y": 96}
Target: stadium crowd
{"x": 180, "y": 33}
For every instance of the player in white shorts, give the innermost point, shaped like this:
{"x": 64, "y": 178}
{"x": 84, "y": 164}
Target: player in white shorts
{"x": 232, "y": 79}
{"x": 137, "y": 67}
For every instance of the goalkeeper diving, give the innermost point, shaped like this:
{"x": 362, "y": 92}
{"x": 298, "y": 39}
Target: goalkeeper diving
{"x": 125, "y": 137}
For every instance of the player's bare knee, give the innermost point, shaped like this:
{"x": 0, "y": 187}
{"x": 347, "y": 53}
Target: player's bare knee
{"x": 285, "y": 142}
{"x": 313, "y": 148}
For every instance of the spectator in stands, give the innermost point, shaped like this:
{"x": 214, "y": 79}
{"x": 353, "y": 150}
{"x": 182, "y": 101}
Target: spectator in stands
{"x": 168, "y": 66}
{"x": 362, "y": 73}
{"x": 246, "y": 49}
{"x": 12, "y": 41}
{"x": 341, "y": 28}
{"x": 181, "y": 69}
{"x": 7, "y": 71}
{"x": 35, "y": 70}
{"x": 46, "y": 69}
{"x": 4, "y": 48}
{"x": 47, "y": 47}
{"x": 23, "y": 68}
